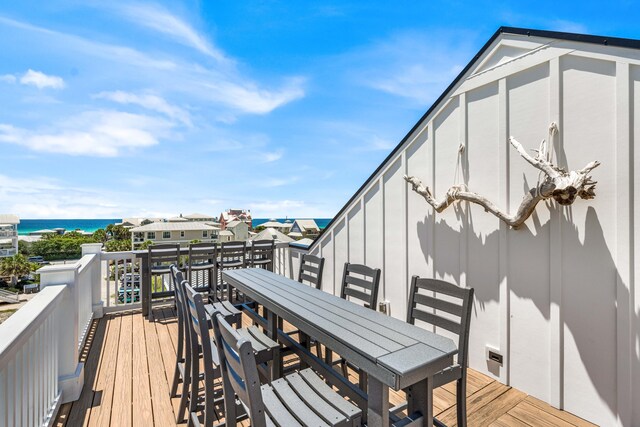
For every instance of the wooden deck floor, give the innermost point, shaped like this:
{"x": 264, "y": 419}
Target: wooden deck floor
{"x": 129, "y": 364}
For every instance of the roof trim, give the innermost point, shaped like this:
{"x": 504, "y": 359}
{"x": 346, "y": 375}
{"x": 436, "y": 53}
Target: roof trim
{"x": 583, "y": 38}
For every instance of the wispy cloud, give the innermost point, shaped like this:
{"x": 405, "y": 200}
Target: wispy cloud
{"x": 148, "y": 101}
{"x": 8, "y": 78}
{"x": 272, "y": 156}
{"x": 412, "y": 64}
{"x": 161, "y": 20}
{"x": 568, "y": 26}
{"x": 41, "y": 80}
{"x": 100, "y": 133}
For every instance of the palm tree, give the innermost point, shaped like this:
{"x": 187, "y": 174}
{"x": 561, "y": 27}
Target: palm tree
{"x": 15, "y": 267}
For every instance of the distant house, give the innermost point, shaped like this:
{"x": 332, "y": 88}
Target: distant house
{"x": 200, "y": 217}
{"x": 8, "y": 235}
{"x": 272, "y": 234}
{"x": 137, "y": 222}
{"x": 305, "y": 227}
{"x": 239, "y": 229}
{"x": 173, "y": 232}
{"x": 235, "y": 215}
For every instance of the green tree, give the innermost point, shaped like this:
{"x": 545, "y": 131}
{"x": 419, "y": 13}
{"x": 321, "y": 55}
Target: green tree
{"x": 24, "y": 248}
{"x": 145, "y": 245}
{"x": 100, "y": 235}
{"x": 118, "y": 245}
{"x": 15, "y": 267}
{"x": 118, "y": 232}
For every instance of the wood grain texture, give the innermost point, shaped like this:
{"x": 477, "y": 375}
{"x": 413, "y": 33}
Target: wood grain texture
{"x": 128, "y": 343}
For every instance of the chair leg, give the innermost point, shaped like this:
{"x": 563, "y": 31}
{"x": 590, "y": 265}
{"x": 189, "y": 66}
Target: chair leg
{"x": 461, "y": 398}
{"x": 345, "y": 371}
{"x": 176, "y": 380}
{"x": 318, "y": 350}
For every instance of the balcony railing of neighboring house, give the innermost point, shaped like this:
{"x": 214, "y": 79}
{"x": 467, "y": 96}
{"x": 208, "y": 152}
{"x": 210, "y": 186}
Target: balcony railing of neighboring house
{"x": 8, "y": 233}
{"x": 40, "y": 344}
{"x": 8, "y": 252}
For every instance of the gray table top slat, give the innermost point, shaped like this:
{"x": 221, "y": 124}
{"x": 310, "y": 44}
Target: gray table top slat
{"x": 392, "y": 328}
{"x": 339, "y": 316}
{"x": 408, "y": 351}
{"x": 368, "y": 348}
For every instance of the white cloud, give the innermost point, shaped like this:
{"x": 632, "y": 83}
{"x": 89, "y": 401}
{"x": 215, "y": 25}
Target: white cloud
{"x": 159, "y": 19}
{"x": 220, "y": 86}
{"x": 272, "y": 156}
{"x": 568, "y": 26}
{"x": 41, "y": 80}
{"x": 414, "y": 65}
{"x": 148, "y": 101}
{"x": 92, "y": 133}
{"x": 8, "y": 78}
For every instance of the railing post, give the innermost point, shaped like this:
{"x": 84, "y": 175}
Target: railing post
{"x": 145, "y": 282}
{"x": 70, "y": 369}
{"x": 97, "y": 304}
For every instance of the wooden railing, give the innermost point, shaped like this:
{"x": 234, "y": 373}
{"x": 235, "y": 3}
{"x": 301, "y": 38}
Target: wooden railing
{"x": 40, "y": 344}
{"x": 121, "y": 279}
{"x": 29, "y": 360}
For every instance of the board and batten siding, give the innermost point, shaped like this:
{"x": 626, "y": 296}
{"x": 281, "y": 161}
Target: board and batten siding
{"x": 556, "y": 297}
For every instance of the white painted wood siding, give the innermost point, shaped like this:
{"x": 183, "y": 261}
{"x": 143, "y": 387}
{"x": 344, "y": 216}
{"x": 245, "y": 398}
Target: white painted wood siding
{"x": 557, "y": 297}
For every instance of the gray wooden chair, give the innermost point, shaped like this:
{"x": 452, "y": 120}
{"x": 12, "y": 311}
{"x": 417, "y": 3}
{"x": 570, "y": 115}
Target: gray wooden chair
{"x": 184, "y": 357}
{"x": 458, "y": 305}
{"x": 261, "y": 254}
{"x": 359, "y": 283}
{"x": 231, "y": 255}
{"x": 161, "y": 257}
{"x": 311, "y": 268}
{"x": 302, "y": 398}
{"x": 263, "y": 350}
{"x": 203, "y": 258}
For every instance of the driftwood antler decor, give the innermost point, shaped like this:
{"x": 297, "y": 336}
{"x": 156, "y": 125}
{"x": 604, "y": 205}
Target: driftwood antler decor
{"x": 558, "y": 184}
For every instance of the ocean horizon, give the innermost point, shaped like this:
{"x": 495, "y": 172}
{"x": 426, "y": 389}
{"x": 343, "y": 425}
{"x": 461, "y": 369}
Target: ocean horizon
{"x": 27, "y": 226}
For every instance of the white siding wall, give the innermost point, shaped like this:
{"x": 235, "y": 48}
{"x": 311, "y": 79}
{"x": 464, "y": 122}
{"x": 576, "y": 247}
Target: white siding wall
{"x": 557, "y": 296}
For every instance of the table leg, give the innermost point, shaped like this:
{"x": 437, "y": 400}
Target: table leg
{"x": 378, "y": 408}
{"x": 272, "y": 332}
{"x": 420, "y": 399}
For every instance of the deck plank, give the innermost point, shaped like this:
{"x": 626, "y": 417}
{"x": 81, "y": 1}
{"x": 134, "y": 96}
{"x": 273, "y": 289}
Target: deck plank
{"x": 103, "y": 396}
{"x": 507, "y": 420}
{"x": 163, "y": 414}
{"x": 121, "y": 415}
{"x": 142, "y": 411}
{"x": 141, "y": 353}
{"x": 81, "y": 409}
{"x": 563, "y": 415}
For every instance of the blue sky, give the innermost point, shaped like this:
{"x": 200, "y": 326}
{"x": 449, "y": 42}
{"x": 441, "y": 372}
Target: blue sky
{"x": 115, "y": 109}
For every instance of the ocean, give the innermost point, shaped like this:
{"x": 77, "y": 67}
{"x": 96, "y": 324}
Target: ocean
{"x": 27, "y": 226}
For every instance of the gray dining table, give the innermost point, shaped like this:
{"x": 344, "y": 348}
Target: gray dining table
{"x": 393, "y": 353}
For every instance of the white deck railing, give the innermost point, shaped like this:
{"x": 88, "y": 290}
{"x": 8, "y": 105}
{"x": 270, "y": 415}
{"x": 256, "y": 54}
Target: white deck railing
{"x": 29, "y": 360}
{"x": 121, "y": 280}
{"x": 40, "y": 344}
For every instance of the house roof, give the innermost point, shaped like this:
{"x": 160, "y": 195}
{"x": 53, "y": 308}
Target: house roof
{"x": 272, "y": 234}
{"x": 9, "y": 219}
{"x": 174, "y": 226}
{"x": 226, "y": 233}
{"x": 307, "y": 224}
{"x": 198, "y": 216}
{"x": 233, "y": 224}
{"x": 177, "y": 219}
{"x": 583, "y": 38}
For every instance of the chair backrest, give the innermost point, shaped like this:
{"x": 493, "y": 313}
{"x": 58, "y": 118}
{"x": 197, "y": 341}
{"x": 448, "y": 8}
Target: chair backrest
{"x": 202, "y": 253}
{"x": 184, "y": 333}
{"x": 311, "y": 268}
{"x": 232, "y": 251}
{"x": 363, "y": 288}
{"x": 164, "y": 254}
{"x": 421, "y": 305}
{"x": 262, "y": 249}
{"x": 199, "y": 325}
{"x": 239, "y": 373}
